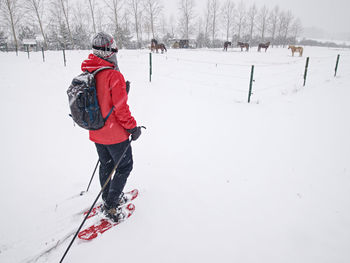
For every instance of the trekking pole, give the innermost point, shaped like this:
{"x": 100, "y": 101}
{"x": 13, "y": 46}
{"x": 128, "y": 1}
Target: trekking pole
{"x": 98, "y": 196}
{"x": 87, "y": 189}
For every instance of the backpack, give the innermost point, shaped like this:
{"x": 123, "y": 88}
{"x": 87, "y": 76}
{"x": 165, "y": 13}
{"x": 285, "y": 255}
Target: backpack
{"x": 83, "y": 102}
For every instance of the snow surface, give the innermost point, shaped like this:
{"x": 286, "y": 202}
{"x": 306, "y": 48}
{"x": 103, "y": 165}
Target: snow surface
{"x": 220, "y": 180}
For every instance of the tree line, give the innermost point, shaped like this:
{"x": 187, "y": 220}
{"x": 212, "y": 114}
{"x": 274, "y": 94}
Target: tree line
{"x": 70, "y": 24}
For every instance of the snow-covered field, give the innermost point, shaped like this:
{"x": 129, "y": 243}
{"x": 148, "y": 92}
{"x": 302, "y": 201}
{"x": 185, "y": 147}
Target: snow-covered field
{"x": 220, "y": 180}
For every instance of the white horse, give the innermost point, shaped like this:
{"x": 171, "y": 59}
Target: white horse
{"x": 296, "y": 49}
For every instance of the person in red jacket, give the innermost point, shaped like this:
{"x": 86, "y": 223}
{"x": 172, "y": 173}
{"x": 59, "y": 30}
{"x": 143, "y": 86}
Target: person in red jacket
{"x": 113, "y": 138}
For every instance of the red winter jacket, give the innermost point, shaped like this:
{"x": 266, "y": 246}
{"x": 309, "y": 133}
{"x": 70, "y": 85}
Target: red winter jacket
{"x": 111, "y": 90}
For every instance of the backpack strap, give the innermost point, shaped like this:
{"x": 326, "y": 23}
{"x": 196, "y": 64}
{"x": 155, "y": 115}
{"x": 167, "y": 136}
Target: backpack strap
{"x": 109, "y": 113}
{"x": 100, "y": 69}
{"x": 94, "y": 73}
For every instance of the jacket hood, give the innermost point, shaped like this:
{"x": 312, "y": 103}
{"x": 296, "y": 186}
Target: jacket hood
{"x": 93, "y": 63}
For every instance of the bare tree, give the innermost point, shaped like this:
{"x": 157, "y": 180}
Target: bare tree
{"x": 241, "y": 19}
{"x": 273, "y": 23}
{"x": 214, "y": 8}
{"x": 163, "y": 25}
{"x": 187, "y": 15}
{"x": 228, "y": 16}
{"x": 125, "y": 27}
{"x": 207, "y": 19}
{"x": 11, "y": 14}
{"x": 100, "y": 19}
{"x": 296, "y": 28}
{"x": 142, "y": 22}
{"x": 36, "y": 9}
{"x": 115, "y": 6}
{"x": 147, "y": 28}
{"x": 280, "y": 26}
{"x": 153, "y": 8}
{"x": 211, "y": 18}
{"x": 172, "y": 25}
{"x": 126, "y": 21}
{"x": 287, "y": 24}
{"x": 54, "y": 23}
{"x": 199, "y": 25}
{"x": 81, "y": 27}
{"x": 65, "y": 9}
{"x": 262, "y": 21}
{"x": 92, "y": 5}
{"x": 136, "y": 11}
{"x": 252, "y": 12}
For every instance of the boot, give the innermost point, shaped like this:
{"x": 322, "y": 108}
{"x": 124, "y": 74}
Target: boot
{"x": 116, "y": 214}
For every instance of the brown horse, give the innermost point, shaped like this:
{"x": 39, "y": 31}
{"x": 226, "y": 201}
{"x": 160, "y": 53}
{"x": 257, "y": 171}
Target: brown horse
{"x": 226, "y": 44}
{"x": 263, "y": 45}
{"x": 243, "y": 45}
{"x": 296, "y": 49}
{"x": 155, "y": 46}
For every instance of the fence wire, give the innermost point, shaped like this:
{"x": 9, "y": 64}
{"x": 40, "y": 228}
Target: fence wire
{"x": 267, "y": 75}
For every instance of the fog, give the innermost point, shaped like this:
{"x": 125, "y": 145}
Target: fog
{"x": 329, "y": 15}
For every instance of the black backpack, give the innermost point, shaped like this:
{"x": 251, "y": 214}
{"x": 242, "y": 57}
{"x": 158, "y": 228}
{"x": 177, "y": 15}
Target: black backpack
{"x": 83, "y": 102}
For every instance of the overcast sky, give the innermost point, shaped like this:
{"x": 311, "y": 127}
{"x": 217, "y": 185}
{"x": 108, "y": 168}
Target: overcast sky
{"x": 331, "y": 15}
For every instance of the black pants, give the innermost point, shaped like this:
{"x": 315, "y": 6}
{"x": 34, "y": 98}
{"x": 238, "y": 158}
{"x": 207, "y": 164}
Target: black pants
{"x": 109, "y": 156}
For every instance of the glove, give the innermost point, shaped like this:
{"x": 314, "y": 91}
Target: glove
{"x": 135, "y": 133}
{"x": 127, "y": 84}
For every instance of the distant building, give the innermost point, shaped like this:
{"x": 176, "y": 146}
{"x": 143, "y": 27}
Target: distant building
{"x": 183, "y": 43}
{"x": 29, "y": 44}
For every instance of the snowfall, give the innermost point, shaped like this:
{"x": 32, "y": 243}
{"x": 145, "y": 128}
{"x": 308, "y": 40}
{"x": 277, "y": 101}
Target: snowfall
{"x": 220, "y": 179}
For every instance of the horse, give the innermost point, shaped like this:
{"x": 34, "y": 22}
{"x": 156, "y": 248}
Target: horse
{"x": 296, "y": 49}
{"x": 242, "y": 45}
{"x": 262, "y": 45}
{"x": 155, "y": 46}
{"x": 226, "y": 44}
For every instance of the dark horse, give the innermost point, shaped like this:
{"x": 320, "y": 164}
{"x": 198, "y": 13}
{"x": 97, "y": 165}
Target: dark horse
{"x": 243, "y": 45}
{"x": 156, "y": 46}
{"x": 262, "y": 45}
{"x": 226, "y": 44}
